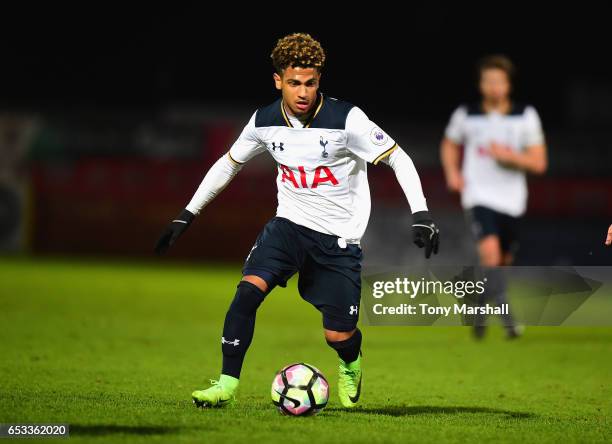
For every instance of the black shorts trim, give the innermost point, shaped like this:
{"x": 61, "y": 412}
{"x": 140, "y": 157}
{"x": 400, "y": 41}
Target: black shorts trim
{"x": 485, "y": 221}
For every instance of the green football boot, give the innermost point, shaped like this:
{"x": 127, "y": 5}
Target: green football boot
{"x": 219, "y": 394}
{"x": 349, "y": 382}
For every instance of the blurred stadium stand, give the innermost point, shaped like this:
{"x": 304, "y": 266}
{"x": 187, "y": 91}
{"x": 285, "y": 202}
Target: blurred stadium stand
{"x": 106, "y": 183}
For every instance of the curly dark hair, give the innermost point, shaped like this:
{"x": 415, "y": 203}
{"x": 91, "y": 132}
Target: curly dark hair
{"x": 297, "y": 50}
{"x": 497, "y": 61}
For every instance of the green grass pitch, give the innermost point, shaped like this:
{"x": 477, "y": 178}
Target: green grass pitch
{"x": 115, "y": 349}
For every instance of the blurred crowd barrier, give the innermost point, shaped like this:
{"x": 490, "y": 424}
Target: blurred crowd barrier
{"x": 106, "y": 183}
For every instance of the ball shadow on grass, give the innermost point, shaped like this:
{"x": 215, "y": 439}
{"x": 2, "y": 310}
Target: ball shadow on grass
{"x": 404, "y": 410}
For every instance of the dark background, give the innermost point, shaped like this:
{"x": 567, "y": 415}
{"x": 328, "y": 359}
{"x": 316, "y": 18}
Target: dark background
{"x": 416, "y": 62}
{"x": 128, "y": 107}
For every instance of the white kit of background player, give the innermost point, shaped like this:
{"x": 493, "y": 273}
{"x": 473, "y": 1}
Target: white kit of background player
{"x": 487, "y": 182}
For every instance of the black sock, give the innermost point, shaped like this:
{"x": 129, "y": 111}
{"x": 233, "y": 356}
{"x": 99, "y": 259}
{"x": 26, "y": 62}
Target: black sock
{"x": 348, "y": 350}
{"x": 239, "y": 326}
{"x": 497, "y": 285}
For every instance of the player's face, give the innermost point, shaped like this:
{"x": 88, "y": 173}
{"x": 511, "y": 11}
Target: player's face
{"x": 494, "y": 85}
{"x": 299, "y": 87}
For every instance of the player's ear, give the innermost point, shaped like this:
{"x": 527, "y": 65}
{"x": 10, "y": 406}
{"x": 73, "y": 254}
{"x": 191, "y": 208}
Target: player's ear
{"x": 278, "y": 81}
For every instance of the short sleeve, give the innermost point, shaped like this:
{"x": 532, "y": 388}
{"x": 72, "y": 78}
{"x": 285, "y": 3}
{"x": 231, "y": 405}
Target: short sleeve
{"x": 365, "y": 139}
{"x": 455, "y": 129}
{"x": 534, "y": 135}
{"x": 248, "y": 144}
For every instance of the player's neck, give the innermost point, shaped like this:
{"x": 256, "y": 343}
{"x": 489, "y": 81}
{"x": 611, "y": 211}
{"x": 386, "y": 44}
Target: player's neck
{"x": 303, "y": 118}
{"x": 498, "y": 106}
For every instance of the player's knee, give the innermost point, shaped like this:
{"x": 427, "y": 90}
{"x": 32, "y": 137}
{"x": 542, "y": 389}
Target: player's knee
{"x": 335, "y": 327}
{"x": 491, "y": 260}
{"x": 257, "y": 281}
{"x": 489, "y": 251}
{"x": 336, "y": 336}
{"x": 247, "y": 300}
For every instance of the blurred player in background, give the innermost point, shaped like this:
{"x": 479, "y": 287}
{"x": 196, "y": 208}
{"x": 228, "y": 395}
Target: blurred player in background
{"x": 609, "y": 237}
{"x": 322, "y": 146}
{"x": 502, "y": 140}
{"x": 16, "y": 135}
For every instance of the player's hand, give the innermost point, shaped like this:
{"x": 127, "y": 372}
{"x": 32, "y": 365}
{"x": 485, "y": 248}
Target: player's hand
{"x": 609, "y": 237}
{"x": 455, "y": 182}
{"x": 502, "y": 153}
{"x": 425, "y": 233}
{"x": 172, "y": 232}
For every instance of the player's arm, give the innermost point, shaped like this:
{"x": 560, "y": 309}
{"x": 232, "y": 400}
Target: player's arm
{"x": 216, "y": 179}
{"x": 450, "y": 156}
{"x": 609, "y": 237}
{"x": 424, "y": 230}
{"x": 450, "y": 150}
{"x": 372, "y": 144}
{"x": 533, "y": 158}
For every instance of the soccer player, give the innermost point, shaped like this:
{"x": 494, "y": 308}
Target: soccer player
{"x": 609, "y": 236}
{"x": 322, "y": 146}
{"x": 503, "y": 140}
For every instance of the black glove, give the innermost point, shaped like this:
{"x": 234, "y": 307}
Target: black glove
{"x": 177, "y": 227}
{"x": 425, "y": 233}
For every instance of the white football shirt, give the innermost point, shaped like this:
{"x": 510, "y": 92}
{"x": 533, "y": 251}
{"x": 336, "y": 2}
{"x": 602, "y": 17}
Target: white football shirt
{"x": 322, "y": 164}
{"x": 487, "y": 183}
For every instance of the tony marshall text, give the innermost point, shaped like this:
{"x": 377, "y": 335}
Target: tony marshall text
{"x": 426, "y": 309}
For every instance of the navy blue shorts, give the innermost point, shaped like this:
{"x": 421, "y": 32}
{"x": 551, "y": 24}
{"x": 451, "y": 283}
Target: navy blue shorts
{"x": 485, "y": 221}
{"x": 329, "y": 275}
